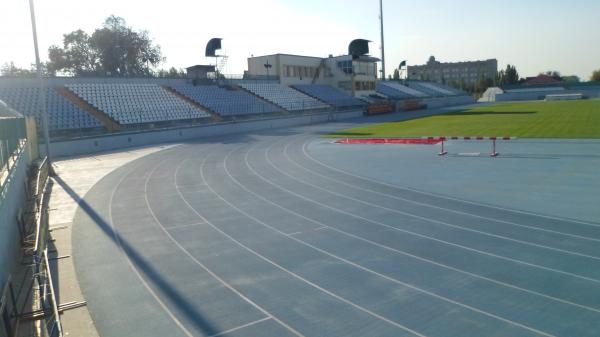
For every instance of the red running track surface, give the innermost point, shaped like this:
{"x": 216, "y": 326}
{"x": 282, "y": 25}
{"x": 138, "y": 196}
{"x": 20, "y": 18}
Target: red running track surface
{"x": 421, "y": 141}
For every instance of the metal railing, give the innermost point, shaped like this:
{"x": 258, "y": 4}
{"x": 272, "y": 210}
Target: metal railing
{"x": 41, "y": 268}
{"x": 8, "y": 310}
{"x": 12, "y": 136}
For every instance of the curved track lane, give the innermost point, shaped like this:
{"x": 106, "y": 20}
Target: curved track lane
{"x": 253, "y": 236}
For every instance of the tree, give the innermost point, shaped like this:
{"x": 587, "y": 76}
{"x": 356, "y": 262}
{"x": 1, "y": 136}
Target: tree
{"x": 9, "y": 69}
{"x": 554, "y": 74}
{"x": 114, "y": 49}
{"x": 571, "y": 79}
{"x": 508, "y": 76}
{"x": 76, "y": 57}
{"x": 595, "y": 76}
{"x": 396, "y": 74}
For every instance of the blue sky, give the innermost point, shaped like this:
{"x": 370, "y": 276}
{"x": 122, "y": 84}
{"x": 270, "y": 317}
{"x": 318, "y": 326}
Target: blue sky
{"x": 535, "y": 35}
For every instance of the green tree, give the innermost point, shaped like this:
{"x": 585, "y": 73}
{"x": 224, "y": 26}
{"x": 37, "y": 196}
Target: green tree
{"x": 9, "y": 69}
{"x": 554, "y": 74}
{"x": 77, "y": 57}
{"x": 595, "y": 76}
{"x": 114, "y": 49}
{"x": 508, "y": 76}
{"x": 396, "y": 74}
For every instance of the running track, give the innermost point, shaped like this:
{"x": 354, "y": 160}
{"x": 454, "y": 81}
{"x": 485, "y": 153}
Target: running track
{"x": 253, "y": 236}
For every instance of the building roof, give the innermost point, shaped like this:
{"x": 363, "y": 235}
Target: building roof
{"x": 202, "y": 67}
{"x": 280, "y": 54}
{"x": 541, "y": 79}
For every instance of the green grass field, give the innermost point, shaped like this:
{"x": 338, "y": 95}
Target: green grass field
{"x": 566, "y": 119}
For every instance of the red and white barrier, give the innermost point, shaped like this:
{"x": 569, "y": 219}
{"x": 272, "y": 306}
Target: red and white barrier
{"x": 494, "y": 153}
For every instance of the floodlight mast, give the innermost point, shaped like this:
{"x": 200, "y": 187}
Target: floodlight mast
{"x": 382, "y": 41}
{"x": 42, "y": 96}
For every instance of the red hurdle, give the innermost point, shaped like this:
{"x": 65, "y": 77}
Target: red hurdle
{"x": 494, "y": 153}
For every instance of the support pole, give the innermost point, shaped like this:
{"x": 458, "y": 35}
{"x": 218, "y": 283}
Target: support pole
{"x": 42, "y": 95}
{"x": 382, "y": 41}
{"x": 494, "y": 153}
{"x": 443, "y": 152}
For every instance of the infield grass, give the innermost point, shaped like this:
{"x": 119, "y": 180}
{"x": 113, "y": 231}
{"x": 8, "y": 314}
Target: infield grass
{"x": 563, "y": 119}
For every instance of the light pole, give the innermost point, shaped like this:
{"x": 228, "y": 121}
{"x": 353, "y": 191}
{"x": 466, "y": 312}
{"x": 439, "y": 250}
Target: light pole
{"x": 42, "y": 95}
{"x": 382, "y": 41}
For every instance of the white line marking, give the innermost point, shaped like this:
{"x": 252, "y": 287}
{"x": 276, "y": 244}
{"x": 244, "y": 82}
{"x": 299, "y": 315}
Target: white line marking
{"x": 292, "y": 330}
{"x": 314, "y": 285}
{"x": 241, "y": 327}
{"x": 132, "y": 266}
{"x": 184, "y": 226}
{"x": 403, "y": 252}
{"x": 434, "y": 206}
{"x": 194, "y": 259}
{"x": 444, "y": 196}
{"x": 443, "y": 223}
{"x": 437, "y": 240}
{"x": 362, "y": 268}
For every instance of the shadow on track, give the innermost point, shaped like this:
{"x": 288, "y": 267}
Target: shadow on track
{"x": 154, "y": 277}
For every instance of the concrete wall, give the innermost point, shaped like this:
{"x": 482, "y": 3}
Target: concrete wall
{"x": 118, "y": 141}
{"x": 12, "y": 198}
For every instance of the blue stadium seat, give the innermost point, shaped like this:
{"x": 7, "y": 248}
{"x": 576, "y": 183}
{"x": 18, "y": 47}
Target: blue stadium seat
{"x": 285, "y": 97}
{"x": 330, "y": 95}
{"x": 129, "y": 103}
{"x": 226, "y": 102}
{"x": 62, "y": 114}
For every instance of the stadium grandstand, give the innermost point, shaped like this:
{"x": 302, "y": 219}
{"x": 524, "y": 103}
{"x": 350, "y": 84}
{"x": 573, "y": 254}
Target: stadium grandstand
{"x": 296, "y": 85}
{"x": 525, "y": 92}
{"x": 136, "y": 103}
{"x": 285, "y": 97}
{"x": 230, "y": 101}
{"x": 62, "y": 114}
{"x": 330, "y": 95}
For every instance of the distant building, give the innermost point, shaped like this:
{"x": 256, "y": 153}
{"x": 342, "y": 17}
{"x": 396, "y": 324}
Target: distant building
{"x": 458, "y": 74}
{"x": 200, "y": 72}
{"x": 541, "y": 79}
{"x": 355, "y": 76}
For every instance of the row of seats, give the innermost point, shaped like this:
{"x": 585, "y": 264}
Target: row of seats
{"x": 330, "y": 95}
{"x": 396, "y": 90}
{"x": 224, "y": 101}
{"x": 136, "y": 103}
{"x": 430, "y": 88}
{"x": 62, "y": 114}
{"x": 285, "y": 97}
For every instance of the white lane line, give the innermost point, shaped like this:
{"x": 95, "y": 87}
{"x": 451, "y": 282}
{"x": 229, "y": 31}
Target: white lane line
{"x": 241, "y": 327}
{"x": 391, "y": 279}
{"x": 275, "y": 264}
{"x": 443, "y": 223}
{"x": 286, "y": 153}
{"x": 132, "y": 266}
{"x": 324, "y": 226}
{"x": 184, "y": 226}
{"x": 432, "y": 238}
{"x": 204, "y": 267}
{"x": 443, "y": 196}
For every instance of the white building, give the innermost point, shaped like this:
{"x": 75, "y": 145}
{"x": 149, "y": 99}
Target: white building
{"x": 357, "y": 77}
